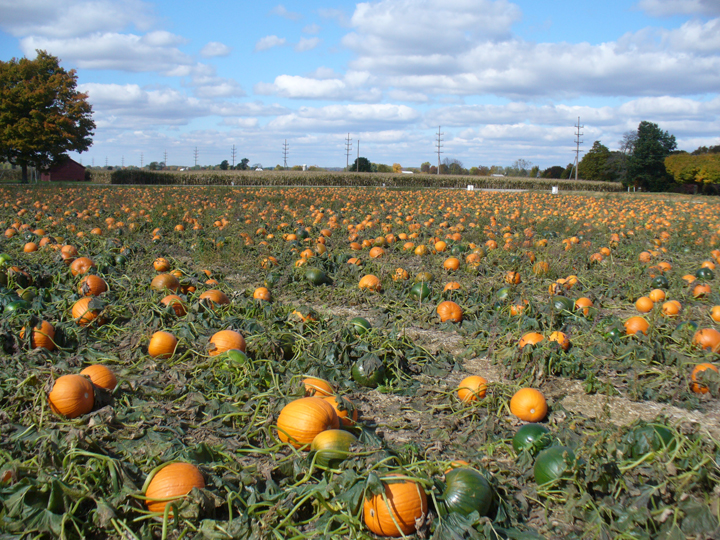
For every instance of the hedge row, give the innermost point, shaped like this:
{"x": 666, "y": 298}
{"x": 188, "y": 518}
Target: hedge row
{"x": 392, "y": 180}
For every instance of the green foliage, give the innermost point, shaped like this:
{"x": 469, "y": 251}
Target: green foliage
{"x": 700, "y": 168}
{"x": 555, "y": 171}
{"x": 361, "y": 164}
{"x": 594, "y": 164}
{"x": 42, "y": 115}
{"x": 646, "y": 165}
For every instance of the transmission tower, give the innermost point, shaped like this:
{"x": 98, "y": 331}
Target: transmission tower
{"x": 285, "y": 154}
{"x": 195, "y": 153}
{"x": 578, "y": 133}
{"x": 439, "y": 146}
{"x": 165, "y": 158}
{"x": 357, "y": 168}
{"x": 123, "y": 162}
{"x": 141, "y": 160}
{"x": 348, "y": 149}
{"x": 106, "y": 161}
{"x": 234, "y": 155}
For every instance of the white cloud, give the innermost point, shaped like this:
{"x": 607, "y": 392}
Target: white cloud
{"x": 72, "y": 18}
{"x": 268, "y": 42}
{"x": 216, "y": 87}
{"x": 335, "y": 14}
{"x": 125, "y": 52}
{"x": 354, "y": 116}
{"x": 311, "y": 29}
{"x": 307, "y": 44}
{"x": 298, "y": 87}
{"x": 240, "y": 122}
{"x": 280, "y": 11}
{"x": 668, "y": 8}
{"x": 215, "y": 48}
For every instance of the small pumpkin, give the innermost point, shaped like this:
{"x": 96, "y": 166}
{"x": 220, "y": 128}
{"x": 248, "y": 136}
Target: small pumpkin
{"x": 406, "y": 504}
{"x": 370, "y": 282}
{"x": 81, "y": 265}
{"x": 368, "y": 371}
{"x": 71, "y": 396}
{"x": 176, "y": 303}
{"x": 532, "y": 437}
{"x": 467, "y": 491}
{"x": 695, "y": 385}
{"x": 345, "y": 410}
{"x": 332, "y": 446}
{"x": 172, "y": 482}
{"x": 162, "y": 344}
{"x": 317, "y": 387}
{"x": 162, "y": 282}
{"x": 83, "y": 314}
{"x": 472, "y": 388}
{"x": 224, "y": 340}
{"x": 215, "y": 297}
{"x": 529, "y": 404}
{"x": 449, "y": 311}
{"x": 161, "y": 264}
{"x": 707, "y": 339}
{"x": 301, "y": 420}
{"x": 92, "y": 285}
{"x": 531, "y": 338}
{"x": 42, "y": 336}
{"x": 420, "y": 290}
{"x": 101, "y": 376}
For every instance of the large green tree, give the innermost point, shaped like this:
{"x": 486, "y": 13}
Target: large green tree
{"x": 687, "y": 168}
{"x": 646, "y": 164}
{"x": 361, "y": 164}
{"x": 42, "y": 115}
{"x": 594, "y": 164}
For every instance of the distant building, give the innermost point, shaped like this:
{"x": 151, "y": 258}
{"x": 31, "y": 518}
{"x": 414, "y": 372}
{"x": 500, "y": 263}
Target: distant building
{"x": 65, "y": 170}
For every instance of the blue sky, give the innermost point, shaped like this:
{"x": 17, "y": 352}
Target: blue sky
{"x": 504, "y": 80}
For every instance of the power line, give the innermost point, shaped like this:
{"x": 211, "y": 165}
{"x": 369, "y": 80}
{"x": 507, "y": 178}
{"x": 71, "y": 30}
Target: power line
{"x": 348, "y": 149}
{"x": 439, "y": 146}
{"x": 578, "y": 133}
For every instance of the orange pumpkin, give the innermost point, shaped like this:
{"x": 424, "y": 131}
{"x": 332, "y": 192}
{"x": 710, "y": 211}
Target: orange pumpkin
{"x": 174, "y": 480}
{"x": 301, "y": 420}
{"x": 707, "y": 339}
{"x": 162, "y": 345}
{"x": 636, "y": 324}
{"x": 177, "y": 304}
{"x": 472, "y": 388}
{"x": 262, "y": 293}
{"x": 165, "y": 281}
{"x": 406, "y": 504}
{"x": 225, "y": 340}
{"x": 71, "y": 396}
{"x": 81, "y": 265}
{"x": 531, "y": 338}
{"x": 215, "y": 297}
{"x": 529, "y": 404}
{"x": 101, "y": 376}
{"x": 449, "y": 311}
{"x": 82, "y": 313}
{"x": 561, "y": 339}
{"x": 161, "y": 264}
{"x": 346, "y": 412}
{"x": 370, "y": 282}
{"x": 698, "y": 387}
{"x": 317, "y": 387}
{"x": 92, "y": 285}
{"x": 42, "y": 336}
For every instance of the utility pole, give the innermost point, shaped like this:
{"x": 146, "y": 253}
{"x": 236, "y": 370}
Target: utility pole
{"x": 439, "y": 146}
{"x": 233, "y": 154}
{"x": 141, "y": 160}
{"x": 165, "y": 159}
{"x": 578, "y": 133}
{"x": 285, "y": 154}
{"x": 357, "y": 169}
{"x": 348, "y": 149}
{"x": 195, "y": 153}
{"x": 123, "y": 162}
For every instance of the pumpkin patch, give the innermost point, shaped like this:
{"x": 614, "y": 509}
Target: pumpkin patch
{"x": 357, "y": 363}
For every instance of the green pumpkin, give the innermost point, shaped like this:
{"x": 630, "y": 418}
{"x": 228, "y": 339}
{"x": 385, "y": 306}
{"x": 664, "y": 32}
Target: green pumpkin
{"x": 467, "y": 491}
{"x": 563, "y": 303}
{"x": 660, "y": 282}
{"x": 615, "y": 333}
{"x": 120, "y": 260}
{"x": 531, "y": 437}
{"x": 316, "y": 276}
{"x": 331, "y": 446}
{"x": 704, "y": 273}
{"x": 272, "y": 279}
{"x": 420, "y": 291}
{"x": 503, "y": 293}
{"x": 302, "y": 233}
{"x": 5, "y": 260}
{"x": 553, "y": 463}
{"x": 425, "y": 277}
{"x": 360, "y": 325}
{"x": 16, "y": 306}
{"x": 368, "y": 371}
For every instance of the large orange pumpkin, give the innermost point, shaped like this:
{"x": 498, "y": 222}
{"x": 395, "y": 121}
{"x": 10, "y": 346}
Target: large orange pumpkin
{"x": 472, "y": 388}
{"x": 174, "y": 480}
{"x": 81, "y": 265}
{"x": 162, "y": 345}
{"x": 224, "y": 340}
{"x": 71, "y": 396}
{"x": 165, "y": 281}
{"x": 707, "y": 339}
{"x": 177, "y": 304}
{"x": 92, "y": 285}
{"x": 449, "y": 311}
{"x": 82, "y": 313}
{"x": 215, "y": 296}
{"x": 42, "y": 336}
{"x": 406, "y": 503}
{"x": 101, "y": 376}
{"x": 300, "y": 420}
{"x": 529, "y": 404}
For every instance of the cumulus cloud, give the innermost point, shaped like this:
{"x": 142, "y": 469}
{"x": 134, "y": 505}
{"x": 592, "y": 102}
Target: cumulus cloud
{"x": 216, "y": 87}
{"x": 307, "y": 44}
{"x": 281, "y": 11}
{"x": 215, "y": 48}
{"x": 126, "y": 52}
{"x": 268, "y": 42}
{"x": 299, "y": 87}
{"x": 668, "y": 8}
{"x": 72, "y": 18}
{"x": 311, "y": 29}
{"x": 353, "y": 116}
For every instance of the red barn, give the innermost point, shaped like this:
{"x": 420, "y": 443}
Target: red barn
{"x": 65, "y": 170}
